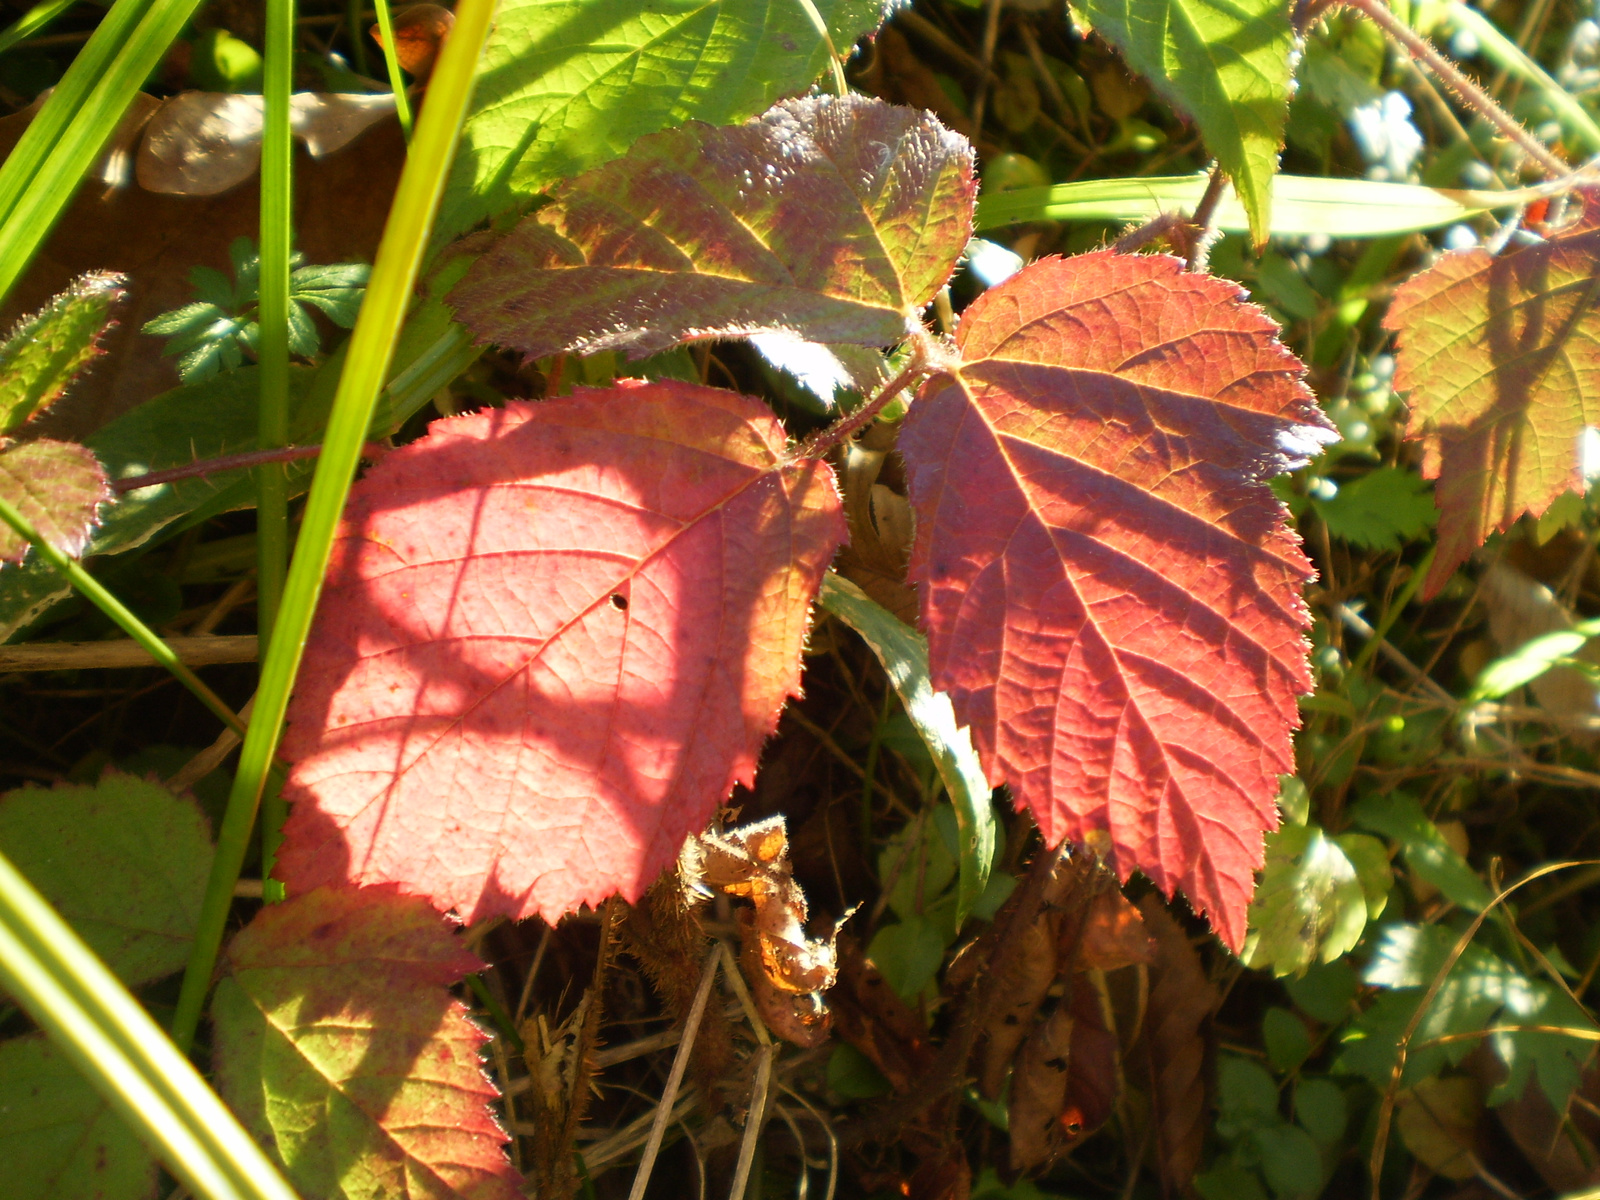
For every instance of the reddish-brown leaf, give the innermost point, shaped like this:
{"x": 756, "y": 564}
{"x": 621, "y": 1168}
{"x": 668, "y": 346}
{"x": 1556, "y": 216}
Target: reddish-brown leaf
{"x": 836, "y": 218}
{"x": 339, "y": 1044}
{"x": 1499, "y": 357}
{"x": 58, "y": 486}
{"x": 1111, "y": 592}
{"x": 554, "y": 637}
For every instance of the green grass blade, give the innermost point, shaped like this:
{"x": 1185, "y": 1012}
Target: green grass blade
{"x": 32, "y": 21}
{"x": 119, "y": 1049}
{"x": 904, "y": 655}
{"x": 1301, "y": 205}
{"x": 96, "y": 592}
{"x": 391, "y": 60}
{"x": 367, "y": 360}
{"x": 58, "y": 148}
{"x": 277, "y": 236}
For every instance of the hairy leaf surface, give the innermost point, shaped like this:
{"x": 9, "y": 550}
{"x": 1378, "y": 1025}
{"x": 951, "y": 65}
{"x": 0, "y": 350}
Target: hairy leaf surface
{"x": 47, "y": 349}
{"x": 566, "y": 85}
{"x": 124, "y": 861}
{"x": 1500, "y": 360}
{"x": 553, "y": 638}
{"x": 58, "y": 487}
{"x": 1224, "y": 64}
{"x": 1111, "y": 594}
{"x": 59, "y": 1139}
{"x": 831, "y": 218}
{"x": 339, "y": 1045}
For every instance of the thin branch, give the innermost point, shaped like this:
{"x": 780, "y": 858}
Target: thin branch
{"x": 123, "y": 653}
{"x": 669, "y": 1095}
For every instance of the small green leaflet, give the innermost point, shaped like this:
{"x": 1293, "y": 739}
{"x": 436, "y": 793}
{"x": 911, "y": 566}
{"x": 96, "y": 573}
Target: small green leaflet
{"x": 1398, "y": 817}
{"x": 1226, "y": 65}
{"x": 47, "y": 349}
{"x": 214, "y": 332}
{"x": 1380, "y": 510}
{"x": 58, "y": 1139}
{"x": 904, "y": 655}
{"x": 1533, "y": 658}
{"x": 1313, "y": 901}
{"x": 566, "y": 85}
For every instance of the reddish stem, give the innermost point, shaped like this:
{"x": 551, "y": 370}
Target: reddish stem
{"x": 847, "y": 427}
{"x": 230, "y": 462}
{"x": 1469, "y": 93}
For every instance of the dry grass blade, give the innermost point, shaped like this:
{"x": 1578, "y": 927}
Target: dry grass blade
{"x": 754, "y": 1122}
{"x": 680, "y": 1063}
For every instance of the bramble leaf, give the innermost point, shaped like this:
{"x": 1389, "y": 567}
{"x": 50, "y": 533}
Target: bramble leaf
{"x": 1224, "y": 64}
{"x": 340, "y": 1047}
{"x": 1310, "y": 907}
{"x": 554, "y": 637}
{"x": 1380, "y": 510}
{"x": 58, "y": 487}
{"x": 47, "y": 349}
{"x": 1111, "y": 594}
{"x": 124, "y": 861}
{"x": 1500, "y": 360}
{"x": 566, "y": 85}
{"x": 59, "y": 1139}
{"x": 835, "y": 219}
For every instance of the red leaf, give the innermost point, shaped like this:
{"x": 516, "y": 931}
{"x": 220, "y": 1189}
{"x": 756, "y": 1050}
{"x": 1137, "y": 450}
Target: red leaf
{"x": 1111, "y": 594}
{"x": 553, "y": 639}
{"x": 1500, "y": 357}
{"x": 339, "y": 1044}
{"x": 58, "y": 486}
{"x": 837, "y": 218}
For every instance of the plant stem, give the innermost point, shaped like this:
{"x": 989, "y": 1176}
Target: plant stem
{"x": 203, "y": 467}
{"x": 358, "y": 44}
{"x": 1469, "y": 93}
{"x": 391, "y": 60}
{"x": 277, "y": 236}
{"x": 118, "y": 612}
{"x": 371, "y": 350}
{"x": 847, "y": 427}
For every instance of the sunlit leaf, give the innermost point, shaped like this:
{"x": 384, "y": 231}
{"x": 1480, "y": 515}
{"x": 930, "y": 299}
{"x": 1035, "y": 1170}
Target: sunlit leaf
{"x": 1310, "y": 906}
{"x": 58, "y": 487}
{"x": 47, "y": 349}
{"x": 1111, "y": 594}
{"x": 1380, "y": 510}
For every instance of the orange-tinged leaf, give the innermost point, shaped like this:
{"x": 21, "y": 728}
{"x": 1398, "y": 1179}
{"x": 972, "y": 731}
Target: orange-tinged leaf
{"x": 1111, "y": 592}
{"x": 553, "y": 638}
{"x": 338, "y": 1043}
{"x": 57, "y": 486}
{"x": 1499, "y": 358}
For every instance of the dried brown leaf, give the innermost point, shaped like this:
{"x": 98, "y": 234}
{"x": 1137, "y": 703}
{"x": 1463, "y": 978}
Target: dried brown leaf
{"x": 1039, "y": 1092}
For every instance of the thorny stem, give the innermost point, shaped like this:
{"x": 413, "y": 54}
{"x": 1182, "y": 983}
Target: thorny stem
{"x": 230, "y": 462}
{"x": 846, "y": 428}
{"x": 1469, "y": 93}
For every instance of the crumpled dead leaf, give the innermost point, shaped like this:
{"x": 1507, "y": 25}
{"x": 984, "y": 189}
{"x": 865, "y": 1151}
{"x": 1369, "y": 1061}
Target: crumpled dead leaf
{"x": 1521, "y": 609}
{"x": 1039, "y": 1092}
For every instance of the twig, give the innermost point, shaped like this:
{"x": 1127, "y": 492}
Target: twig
{"x": 669, "y": 1095}
{"x": 846, "y": 428}
{"x": 755, "y": 1120}
{"x": 212, "y": 757}
{"x": 203, "y": 467}
{"x": 1469, "y": 93}
{"x": 991, "y": 35}
{"x": 827, "y": 1129}
{"x": 124, "y": 653}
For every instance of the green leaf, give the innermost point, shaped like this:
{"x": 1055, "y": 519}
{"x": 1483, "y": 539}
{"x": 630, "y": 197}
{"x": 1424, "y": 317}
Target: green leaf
{"x": 1398, "y": 817}
{"x": 1481, "y": 990}
{"x": 565, "y": 85}
{"x": 1247, "y": 1097}
{"x": 1290, "y": 1160}
{"x": 909, "y": 953}
{"x": 1301, "y": 205}
{"x": 1285, "y": 1038}
{"x": 1531, "y": 660}
{"x": 338, "y": 1043}
{"x": 1310, "y": 905}
{"x": 336, "y": 290}
{"x": 59, "y": 1140}
{"x": 48, "y": 349}
{"x": 1229, "y": 1181}
{"x": 852, "y": 1075}
{"x": 1380, "y": 510}
{"x": 904, "y": 655}
{"x": 708, "y": 232}
{"x": 1326, "y": 991}
{"x": 1224, "y": 64}
{"x": 1320, "y": 1108}
{"x": 124, "y": 862}
{"x": 58, "y": 487}
{"x": 1371, "y": 860}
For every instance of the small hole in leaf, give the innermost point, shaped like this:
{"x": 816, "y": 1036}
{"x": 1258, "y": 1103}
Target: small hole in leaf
{"x": 619, "y": 602}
